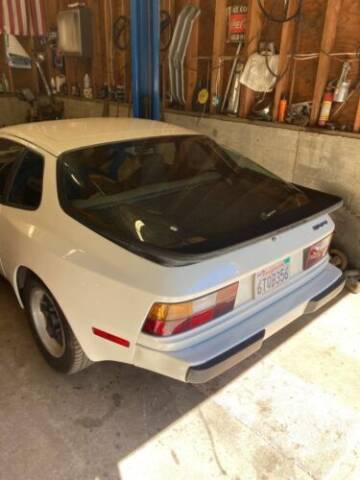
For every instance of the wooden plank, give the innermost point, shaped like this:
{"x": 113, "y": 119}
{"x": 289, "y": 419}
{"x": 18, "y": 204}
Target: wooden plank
{"x": 356, "y": 127}
{"x": 191, "y": 61}
{"x": 11, "y": 79}
{"x": 286, "y": 43}
{"x": 327, "y": 43}
{"x": 34, "y": 71}
{"x": 121, "y": 61}
{"x": 99, "y": 51}
{"x": 255, "y": 20}
{"x": 168, "y": 5}
{"x": 109, "y": 48}
{"x": 347, "y": 40}
{"x": 308, "y": 40}
{"x": 218, "y": 50}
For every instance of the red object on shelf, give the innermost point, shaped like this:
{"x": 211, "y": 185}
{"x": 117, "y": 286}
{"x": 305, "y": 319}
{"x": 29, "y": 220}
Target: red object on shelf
{"x": 326, "y": 108}
{"x": 282, "y": 110}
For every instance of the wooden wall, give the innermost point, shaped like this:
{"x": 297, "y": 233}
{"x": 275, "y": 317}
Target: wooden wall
{"x": 325, "y": 27}
{"x": 108, "y": 64}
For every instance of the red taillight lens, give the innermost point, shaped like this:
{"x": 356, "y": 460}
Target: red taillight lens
{"x": 171, "y": 318}
{"x": 316, "y": 252}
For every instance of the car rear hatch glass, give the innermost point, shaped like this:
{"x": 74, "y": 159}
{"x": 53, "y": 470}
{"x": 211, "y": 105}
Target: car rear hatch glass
{"x": 181, "y": 198}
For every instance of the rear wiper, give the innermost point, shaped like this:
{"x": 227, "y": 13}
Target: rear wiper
{"x": 266, "y": 215}
{"x": 297, "y": 197}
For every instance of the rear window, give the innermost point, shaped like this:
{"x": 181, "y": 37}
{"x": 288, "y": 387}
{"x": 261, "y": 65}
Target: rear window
{"x": 180, "y": 195}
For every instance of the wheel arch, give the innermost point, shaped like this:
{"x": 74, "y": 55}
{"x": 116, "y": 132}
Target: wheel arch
{"x": 21, "y": 275}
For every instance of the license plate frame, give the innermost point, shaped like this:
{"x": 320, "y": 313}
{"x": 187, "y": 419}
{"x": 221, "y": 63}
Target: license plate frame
{"x": 272, "y": 278}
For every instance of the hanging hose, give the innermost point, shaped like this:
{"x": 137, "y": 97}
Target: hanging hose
{"x": 271, "y": 18}
{"x": 121, "y": 29}
{"x": 166, "y": 23}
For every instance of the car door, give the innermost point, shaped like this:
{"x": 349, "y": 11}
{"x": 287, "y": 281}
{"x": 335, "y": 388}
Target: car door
{"x": 10, "y": 154}
{"x": 22, "y": 198}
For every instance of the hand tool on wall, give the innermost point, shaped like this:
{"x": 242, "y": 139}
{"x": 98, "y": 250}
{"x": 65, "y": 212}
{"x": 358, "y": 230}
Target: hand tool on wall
{"x": 234, "y": 96}
{"x": 177, "y": 52}
{"x": 40, "y": 58}
{"x": 231, "y": 76}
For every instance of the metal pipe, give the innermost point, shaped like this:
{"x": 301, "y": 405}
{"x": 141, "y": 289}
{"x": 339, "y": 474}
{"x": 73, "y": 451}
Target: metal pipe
{"x": 232, "y": 72}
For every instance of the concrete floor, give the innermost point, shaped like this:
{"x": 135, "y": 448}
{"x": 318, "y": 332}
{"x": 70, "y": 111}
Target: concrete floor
{"x": 291, "y": 412}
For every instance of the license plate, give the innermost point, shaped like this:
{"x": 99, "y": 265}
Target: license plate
{"x": 271, "y": 278}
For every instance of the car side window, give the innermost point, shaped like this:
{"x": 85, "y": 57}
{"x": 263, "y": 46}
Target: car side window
{"x": 10, "y": 152}
{"x": 26, "y": 189}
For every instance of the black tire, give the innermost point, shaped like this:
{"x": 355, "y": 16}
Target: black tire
{"x": 65, "y": 357}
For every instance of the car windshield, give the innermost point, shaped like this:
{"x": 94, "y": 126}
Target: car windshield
{"x": 178, "y": 194}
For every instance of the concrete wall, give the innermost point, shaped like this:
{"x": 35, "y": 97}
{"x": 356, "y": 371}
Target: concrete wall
{"x": 77, "y": 108}
{"x": 12, "y": 110}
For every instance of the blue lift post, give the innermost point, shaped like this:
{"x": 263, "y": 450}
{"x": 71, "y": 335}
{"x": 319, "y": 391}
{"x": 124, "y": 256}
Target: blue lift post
{"x": 145, "y": 58}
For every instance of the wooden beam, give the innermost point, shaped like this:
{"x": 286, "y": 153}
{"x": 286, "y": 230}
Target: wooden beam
{"x": 11, "y": 79}
{"x": 123, "y": 59}
{"x": 34, "y": 71}
{"x": 218, "y": 50}
{"x": 168, "y": 5}
{"x": 327, "y": 43}
{"x": 109, "y": 73}
{"x": 191, "y": 61}
{"x": 255, "y": 20}
{"x": 356, "y": 127}
{"x": 286, "y": 43}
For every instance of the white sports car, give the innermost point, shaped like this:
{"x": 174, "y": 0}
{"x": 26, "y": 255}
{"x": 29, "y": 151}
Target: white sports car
{"x": 141, "y": 242}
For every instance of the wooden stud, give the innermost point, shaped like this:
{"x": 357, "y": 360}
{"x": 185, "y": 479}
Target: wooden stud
{"x": 191, "y": 61}
{"x": 34, "y": 71}
{"x": 255, "y": 20}
{"x": 11, "y": 79}
{"x": 124, "y": 58}
{"x": 286, "y": 43}
{"x": 96, "y": 65}
{"x": 218, "y": 51}
{"x": 327, "y": 43}
{"x": 109, "y": 74}
{"x": 356, "y": 127}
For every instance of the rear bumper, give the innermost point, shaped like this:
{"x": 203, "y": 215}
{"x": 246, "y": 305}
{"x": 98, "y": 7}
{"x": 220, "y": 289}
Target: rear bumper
{"x": 207, "y": 371}
{"x": 326, "y": 296}
{"x": 206, "y": 360}
{"x": 217, "y": 365}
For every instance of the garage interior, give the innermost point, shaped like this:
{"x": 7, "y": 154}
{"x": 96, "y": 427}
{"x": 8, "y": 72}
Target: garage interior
{"x": 291, "y": 411}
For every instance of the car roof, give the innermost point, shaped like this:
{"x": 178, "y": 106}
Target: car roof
{"x": 58, "y": 136}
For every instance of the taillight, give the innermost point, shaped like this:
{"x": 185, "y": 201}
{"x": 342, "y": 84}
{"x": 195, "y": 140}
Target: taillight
{"x": 171, "y": 318}
{"x": 316, "y": 252}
